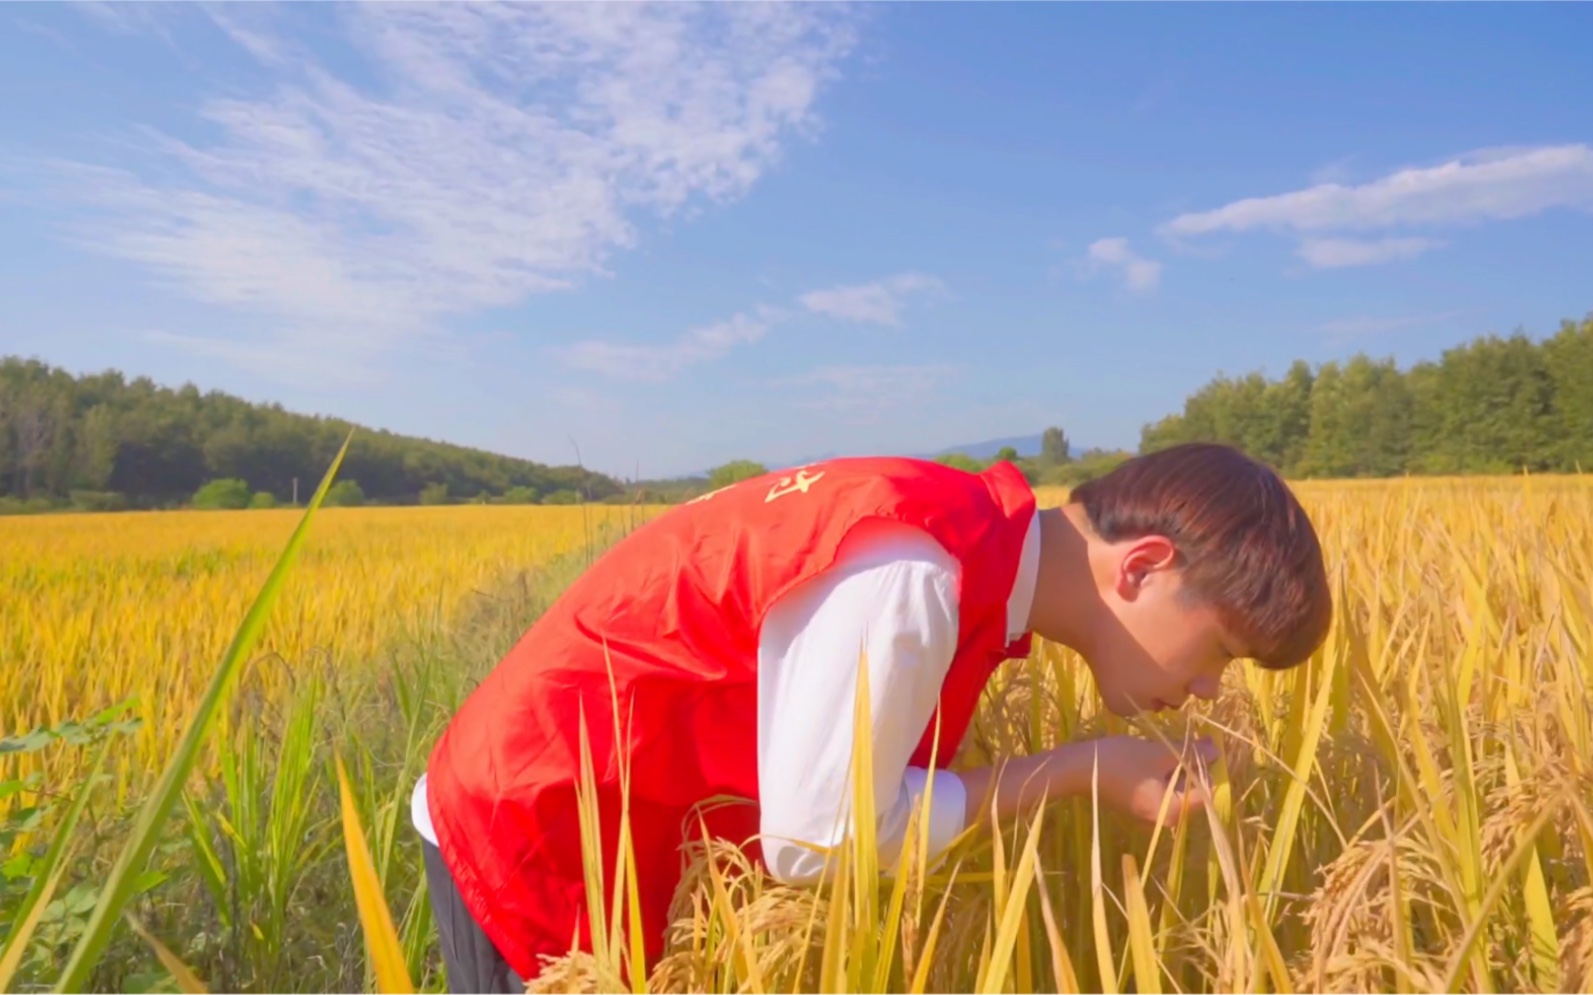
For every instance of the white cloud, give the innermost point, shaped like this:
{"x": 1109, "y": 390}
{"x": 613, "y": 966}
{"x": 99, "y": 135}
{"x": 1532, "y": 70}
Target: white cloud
{"x": 877, "y": 303}
{"x": 1498, "y": 184}
{"x": 658, "y": 363}
{"x": 1488, "y": 185}
{"x": 1336, "y": 253}
{"x": 506, "y": 151}
{"x": 1139, "y": 274}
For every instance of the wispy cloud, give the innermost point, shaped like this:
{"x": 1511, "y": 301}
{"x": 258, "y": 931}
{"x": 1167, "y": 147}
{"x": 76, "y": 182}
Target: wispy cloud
{"x": 1487, "y": 185}
{"x": 1343, "y": 330}
{"x": 867, "y": 393}
{"x": 48, "y": 33}
{"x": 249, "y": 27}
{"x": 126, "y": 18}
{"x": 291, "y": 358}
{"x": 1337, "y": 253}
{"x": 878, "y": 303}
{"x": 1139, "y": 274}
{"x": 584, "y": 398}
{"x": 508, "y": 151}
{"x": 658, "y": 363}
{"x": 1498, "y": 184}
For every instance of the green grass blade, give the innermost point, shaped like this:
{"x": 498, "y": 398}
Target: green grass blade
{"x": 47, "y": 875}
{"x": 187, "y": 981}
{"x": 1504, "y": 879}
{"x": 130, "y": 862}
{"x": 27, "y": 922}
{"x": 415, "y": 932}
{"x": 212, "y": 874}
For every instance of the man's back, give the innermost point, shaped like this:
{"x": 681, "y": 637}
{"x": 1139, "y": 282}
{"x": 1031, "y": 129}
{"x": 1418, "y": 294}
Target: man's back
{"x": 668, "y": 625}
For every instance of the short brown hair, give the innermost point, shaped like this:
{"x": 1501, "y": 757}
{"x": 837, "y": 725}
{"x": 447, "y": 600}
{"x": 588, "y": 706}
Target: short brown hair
{"x": 1247, "y": 546}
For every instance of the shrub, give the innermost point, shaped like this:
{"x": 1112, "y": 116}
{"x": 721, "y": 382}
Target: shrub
{"x": 344, "y": 494}
{"x": 263, "y": 499}
{"x": 961, "y": 461}
{"x": 734, "y": 472}
{"x": 229, "y": 493}
{"x": 562, "y": 497}
{"x": 1090, "y": 464}
{"x": 99, "y": 500}
{"x": 434, "y": 494}
{"x": 520, "y": 495}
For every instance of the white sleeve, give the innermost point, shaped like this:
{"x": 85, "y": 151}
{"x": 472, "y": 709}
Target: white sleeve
{"x": 892, "y": 595}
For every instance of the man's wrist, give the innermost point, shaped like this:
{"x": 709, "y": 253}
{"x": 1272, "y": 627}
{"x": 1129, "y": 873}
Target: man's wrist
{"x": 1072, "y": 767}
{"x": 1018, "y": 784}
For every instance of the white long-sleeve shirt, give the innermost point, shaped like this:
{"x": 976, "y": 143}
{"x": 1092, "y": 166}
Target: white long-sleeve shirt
{"x": 891, "y": 594}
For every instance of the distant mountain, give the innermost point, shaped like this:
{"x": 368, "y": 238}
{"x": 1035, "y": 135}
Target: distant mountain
{"x": 1026, "y": 445}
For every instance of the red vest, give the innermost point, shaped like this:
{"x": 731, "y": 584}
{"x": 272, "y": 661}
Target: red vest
{"x": 667, "y": 622}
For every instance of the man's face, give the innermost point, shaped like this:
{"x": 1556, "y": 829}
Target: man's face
{"x": 1156, "y": 646}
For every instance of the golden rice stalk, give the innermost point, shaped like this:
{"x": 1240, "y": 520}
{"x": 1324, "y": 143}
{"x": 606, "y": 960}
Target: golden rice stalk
{"x": 381, "y": 938}
{"x": 1011, "y": 920}
{"x": 1576, "y": 951}
{"x": 1067, "y": 981}
{"x": 1147, "y": 971}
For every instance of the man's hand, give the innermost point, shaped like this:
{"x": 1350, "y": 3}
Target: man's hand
{"x": 1135, "y": 774}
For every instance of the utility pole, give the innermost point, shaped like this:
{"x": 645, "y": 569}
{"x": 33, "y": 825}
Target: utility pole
{"x": 295, "y": 492}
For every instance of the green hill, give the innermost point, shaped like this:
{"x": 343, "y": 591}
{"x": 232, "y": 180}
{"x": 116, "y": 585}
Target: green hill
{"x": 103, "y": 442}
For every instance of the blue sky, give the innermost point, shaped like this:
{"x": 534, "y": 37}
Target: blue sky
{"x": 674, "y": 236}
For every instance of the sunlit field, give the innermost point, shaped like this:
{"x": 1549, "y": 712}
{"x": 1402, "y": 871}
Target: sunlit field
{"x": 1413, "y": 810}
{"x": 100, "y": 609}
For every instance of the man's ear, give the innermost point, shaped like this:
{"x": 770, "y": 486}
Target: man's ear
{"x": 1142, "y": 558}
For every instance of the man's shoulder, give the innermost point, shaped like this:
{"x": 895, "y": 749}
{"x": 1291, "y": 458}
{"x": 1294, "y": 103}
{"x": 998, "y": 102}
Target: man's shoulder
{"x": 881, "y": 541}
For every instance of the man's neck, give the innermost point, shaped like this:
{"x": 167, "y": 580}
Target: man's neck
{"x": 1065, "y": 596}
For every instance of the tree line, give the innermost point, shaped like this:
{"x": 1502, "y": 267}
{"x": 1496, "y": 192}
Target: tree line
{"x": 102, "y": 442}
{"x": 1495, "y": 404}
{"x": 1053, "y": 465}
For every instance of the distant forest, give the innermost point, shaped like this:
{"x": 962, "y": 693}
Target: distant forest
{"x": 1494, "y": 405}
{"x": 102, "y": 442}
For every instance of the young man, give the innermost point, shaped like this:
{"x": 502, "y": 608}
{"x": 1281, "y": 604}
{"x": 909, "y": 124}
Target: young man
{"x": 730, "y": 630}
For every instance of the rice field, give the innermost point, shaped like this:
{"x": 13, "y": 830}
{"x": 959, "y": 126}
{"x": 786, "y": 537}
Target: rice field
{"x": 1412, "y": 811}
{"x": 100, "y": 609}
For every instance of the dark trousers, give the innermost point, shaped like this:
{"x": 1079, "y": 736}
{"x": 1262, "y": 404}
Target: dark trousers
{"x": 472, "y": 962}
